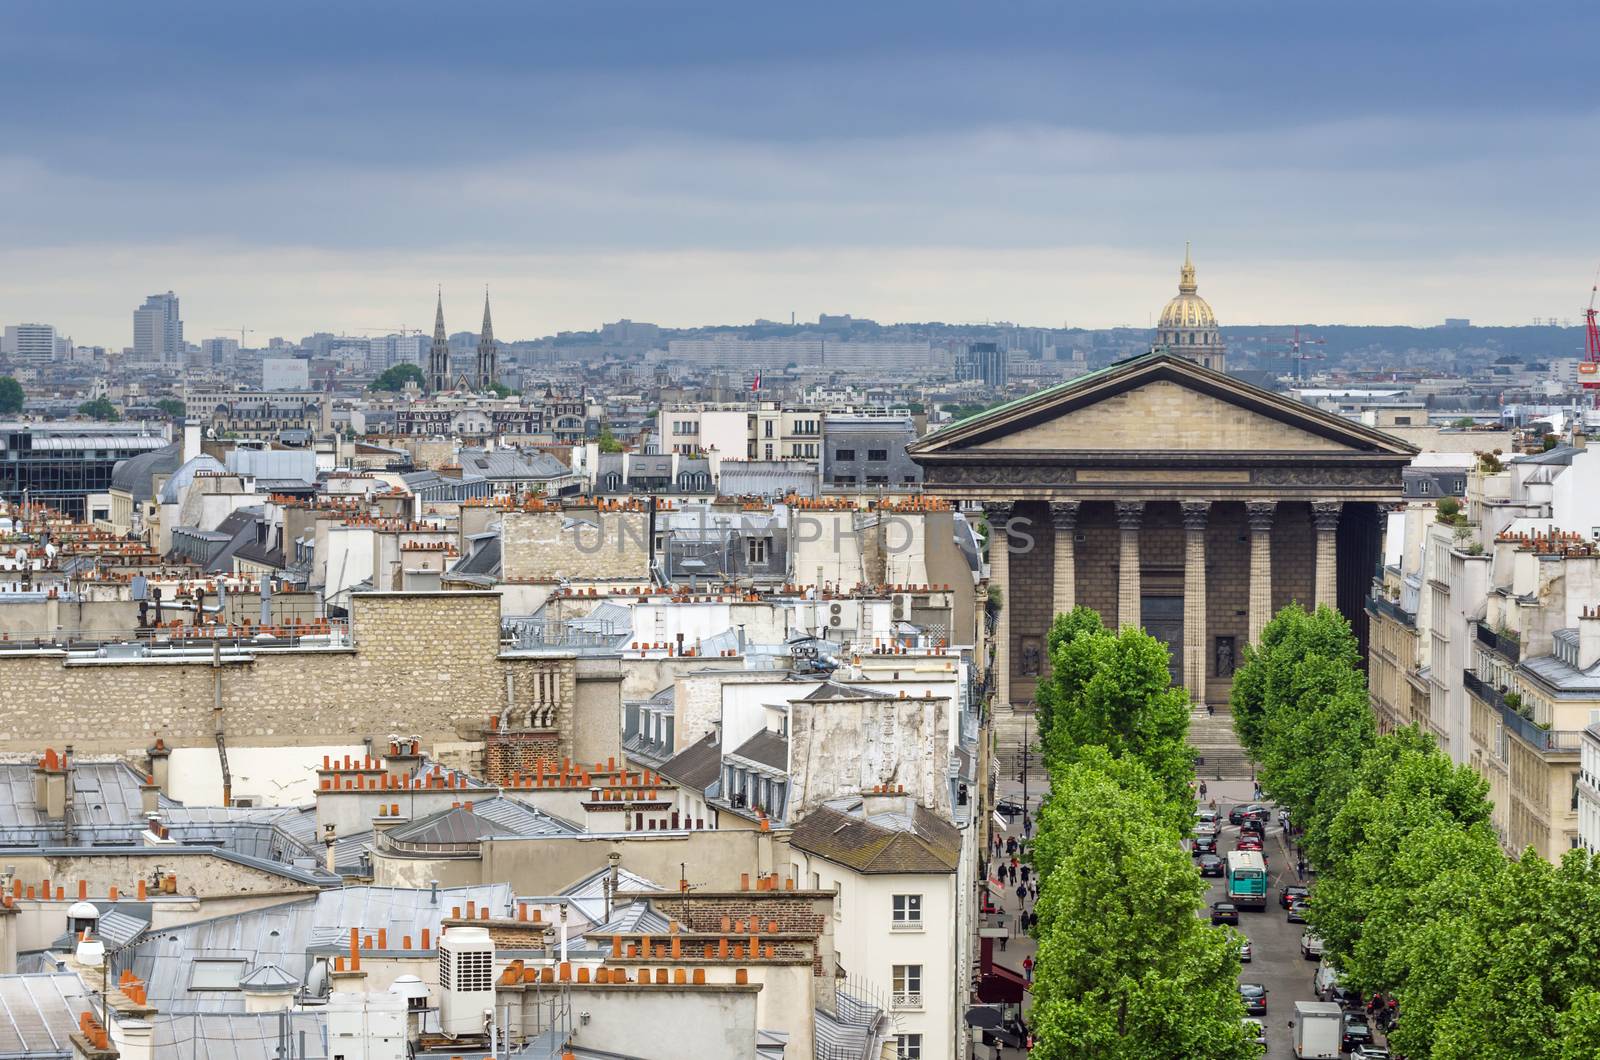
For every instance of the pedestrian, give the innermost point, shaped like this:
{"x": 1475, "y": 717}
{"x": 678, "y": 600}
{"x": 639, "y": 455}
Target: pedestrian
{"x": 1013, "y": 873}
{"x": 1027, "y": 825}
{"x": 1027, "y": 968}
{"x": 1003, "y": 943}
{"x": 1202, "y": 789}
{"x": 1300, "y": 867}
{"x": 1211, "y": 710}
{"x": 1021, "y": 890}
{"x": 1024, "y": 874}
{"x": 1011, "y": 844}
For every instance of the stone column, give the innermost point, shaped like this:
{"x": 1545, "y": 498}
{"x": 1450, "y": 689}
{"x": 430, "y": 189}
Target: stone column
{"x": 1260, "y": 515}
{"x": 1130, "y": 516}
{"x": 999, "y": 516}
{"x": 1064, "y": 516}
{"x": 1325, "y": 516}
{"x": 1195, "y": 514}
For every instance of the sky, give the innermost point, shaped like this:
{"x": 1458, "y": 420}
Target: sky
{"x": 290, "y": 167}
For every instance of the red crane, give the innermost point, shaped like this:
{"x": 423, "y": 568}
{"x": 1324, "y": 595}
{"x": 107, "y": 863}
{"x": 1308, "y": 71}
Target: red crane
{"x": 1589, "y": 367}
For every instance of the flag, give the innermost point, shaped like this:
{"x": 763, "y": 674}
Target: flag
{"x": 755, "y": 384}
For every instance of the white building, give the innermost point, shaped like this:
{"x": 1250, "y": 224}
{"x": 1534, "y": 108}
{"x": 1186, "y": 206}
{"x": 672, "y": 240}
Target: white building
{"x": 158, "y": 331}
{"x": 285, "y": 373}
{"x": 896, "y": 867}
{"x": 31, "y": 343}
{"x": 1589, "y": 790}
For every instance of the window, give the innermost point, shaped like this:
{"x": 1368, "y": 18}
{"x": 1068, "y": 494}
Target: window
{"x": 877, "y": 454}
{"x": 767, "y": 429}
{"x": 215, "y": 975}
{"x": 756, "y": 549}
{"x": 907, "y": 986}
{"x": 907, "y": 910}
{"x": 844, "y": 454}
{"x": 908, "y": 1047}
{"x": 1423, "y": 485}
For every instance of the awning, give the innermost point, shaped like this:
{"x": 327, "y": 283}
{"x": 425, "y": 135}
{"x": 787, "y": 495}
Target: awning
{"x": 999, "y": 822}
{"x": 1002, "y": 986}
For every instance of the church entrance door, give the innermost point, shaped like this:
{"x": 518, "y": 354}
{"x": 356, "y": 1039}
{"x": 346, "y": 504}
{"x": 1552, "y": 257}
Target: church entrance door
{"x": 1162, "y": 618}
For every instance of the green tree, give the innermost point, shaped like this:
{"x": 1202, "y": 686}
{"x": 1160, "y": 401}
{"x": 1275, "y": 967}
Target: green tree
{"x": 1127, "y": 705}
{"x": 608, "y": 441}
{"x": 396, "y": 377}
{"x": 1071, "y": 664}
{"x": 1264, "y": 673}
{"x": 11, "y": 396}
{"x": 500, "y": 390}
{"x": 171, "y": 407}
{"x": 1126, "y": 970}
{"x": 99, "y": 409}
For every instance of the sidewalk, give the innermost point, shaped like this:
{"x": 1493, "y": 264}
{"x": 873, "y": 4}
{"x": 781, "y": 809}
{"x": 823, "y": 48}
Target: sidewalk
{"x": 1020, "y": 945}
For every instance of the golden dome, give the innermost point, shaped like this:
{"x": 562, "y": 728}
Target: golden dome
{"x": 1188, "y": 309}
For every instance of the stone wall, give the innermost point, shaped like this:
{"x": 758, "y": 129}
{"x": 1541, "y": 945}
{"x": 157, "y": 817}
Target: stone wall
{"x": 840, "y": 747}
{"x": 576, "y": 543}
{"x": 423, "y": 664}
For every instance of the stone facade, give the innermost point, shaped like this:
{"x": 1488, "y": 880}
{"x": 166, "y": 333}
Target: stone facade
{"x": 423, "y": 664}
{"x": 578, "y": 544}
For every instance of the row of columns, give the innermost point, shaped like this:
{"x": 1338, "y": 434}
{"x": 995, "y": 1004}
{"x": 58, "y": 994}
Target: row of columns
{"x": 1130, "y": 520}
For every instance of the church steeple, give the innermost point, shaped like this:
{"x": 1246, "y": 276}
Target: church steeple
{"x": 439, "y": 352}
{"x": 1186, "y": 284}
{"x": 487, "y": 368}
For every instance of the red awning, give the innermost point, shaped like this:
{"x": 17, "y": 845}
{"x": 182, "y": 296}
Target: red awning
{"x": 1002, "y": 985}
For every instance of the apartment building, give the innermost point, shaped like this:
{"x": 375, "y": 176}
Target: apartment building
{"x": 1484, "y": 632}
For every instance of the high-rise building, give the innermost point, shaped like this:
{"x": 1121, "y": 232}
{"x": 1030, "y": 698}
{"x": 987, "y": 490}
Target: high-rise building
{"x": 158, "y": 331}
{"x": 31, "y": 343}
{"x": 219, "y": 352}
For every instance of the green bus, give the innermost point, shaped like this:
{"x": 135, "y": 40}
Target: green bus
{"x": 1247, "y": 879}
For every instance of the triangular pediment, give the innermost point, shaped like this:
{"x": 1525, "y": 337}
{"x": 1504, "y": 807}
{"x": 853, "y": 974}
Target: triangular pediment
{"x": 1158, "y": 403}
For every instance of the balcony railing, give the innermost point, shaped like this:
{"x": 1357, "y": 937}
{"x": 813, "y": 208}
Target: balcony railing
{"x": 1393, "y": 610}
{"x": 1545, "y": 741}
{"x": 1506, "y": 644}
{"x": 906, "y": 1001}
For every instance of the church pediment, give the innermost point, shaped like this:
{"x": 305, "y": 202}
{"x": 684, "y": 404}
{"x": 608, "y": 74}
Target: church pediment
{"x": 1157, "y": 403}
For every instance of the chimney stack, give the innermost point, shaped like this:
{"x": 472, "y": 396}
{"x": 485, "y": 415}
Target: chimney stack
{"x": 160, "y": 755}
{"x": 1588, "y": 637}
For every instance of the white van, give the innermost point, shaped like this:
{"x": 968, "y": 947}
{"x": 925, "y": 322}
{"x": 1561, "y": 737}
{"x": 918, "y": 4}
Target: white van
{"x": 1311, "y": 946}
{"x": 1327, "y": 978}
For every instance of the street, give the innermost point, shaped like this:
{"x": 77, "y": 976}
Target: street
{"x": 1278, "y": 964}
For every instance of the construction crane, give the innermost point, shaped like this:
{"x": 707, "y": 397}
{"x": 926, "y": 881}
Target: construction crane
{"x": 1296, "y": 347}
{"x": 1589, "y": 367}
{"x": 242, "y": 332}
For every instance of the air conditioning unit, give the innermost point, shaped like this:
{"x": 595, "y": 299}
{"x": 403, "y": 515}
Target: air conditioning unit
{"x": 900, "y": 607}
{"x": 834, "y": 620}
{"x": 834, "y": 609}
{"x": 466, "y": 980}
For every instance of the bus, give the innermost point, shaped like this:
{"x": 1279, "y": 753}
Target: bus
{"x": 1247, "y": 879}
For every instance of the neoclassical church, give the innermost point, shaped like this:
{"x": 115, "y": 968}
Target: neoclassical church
{"x": 1164, "y": 493}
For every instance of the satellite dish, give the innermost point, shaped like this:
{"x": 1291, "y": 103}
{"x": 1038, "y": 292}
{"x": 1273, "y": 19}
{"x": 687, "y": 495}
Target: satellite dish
{"x": 22, "y": 554}
{"x": 50, "y": 551}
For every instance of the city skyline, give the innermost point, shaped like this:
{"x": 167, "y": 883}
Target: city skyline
{"x": 685, "y": 167}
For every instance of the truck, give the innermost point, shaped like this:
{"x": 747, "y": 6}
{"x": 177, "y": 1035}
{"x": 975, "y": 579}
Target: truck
{"x": 1318, "y": 1030}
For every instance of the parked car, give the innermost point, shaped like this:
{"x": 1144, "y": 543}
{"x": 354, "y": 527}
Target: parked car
{"x": 1244, "y": 949}
{"x": 1255, "y": 998}
{"x": 1204, "y": 844}
{"x": 1256, "y": 1030}
{"x": 1224, "y": 913}
{"x": 1205, "y": 828}
{"x": 1292, "y": 891}
{"x": 1371, "y": 1052}
{"x": 1311, "y": 946}
{"x": 1248, "y": 842}
{"x": 1211, "y": 865}
{"x": 1297, "y": 911}
{"x": 1239, "y": 813}
{"x": 1357, "y": 1033}
{"x": 1206, "y": 816}
{"x": 1009, "y": 807}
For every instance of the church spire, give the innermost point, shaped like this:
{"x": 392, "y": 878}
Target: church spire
{"x": 439, "y": 352}
{"x": 487, "y": 367}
